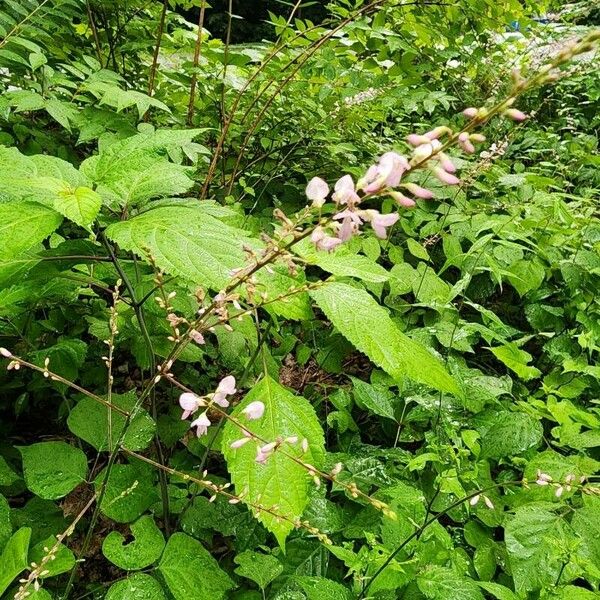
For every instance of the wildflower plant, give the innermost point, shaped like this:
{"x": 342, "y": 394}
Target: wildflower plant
{"x": 297, "y": 380}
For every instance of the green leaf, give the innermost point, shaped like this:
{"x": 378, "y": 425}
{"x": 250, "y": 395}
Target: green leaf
{"x": 509, "y": 434}
{"x": 318, "y": 588}
{"x": 129, "y": 492}
{"x": 369, "y": 327}
{"x": 497, "y": 591}
{"x": 136, "y": 587}
{"x": 280, "y": 480}
{"x": 80, "y": 205}
{"x": 5, "y": 524}
{"x": 63, "y": 561}
{"x": 377, "y": 399}
{"x": 343, "y": 264}
{"x": 526, "y": 275}
{"x": 190, "y": 571}
{"x": 61, "y": 112}
{"x": 88, "y": 420}
{"x": 535, "y": 539}
{"x": 516, "y": 360}
{"x": 7, "y": 474}
{"x": 145, "y": 549}
{"x": 586, "y": 523}
{"x": 13, "y": 559}
{"x": 184, "y": 241}
{"x": 441, "y": 583}
{"x": 53, "y": 469}
{"x": 22, "y": 225}
{"x": 258, "y": 567}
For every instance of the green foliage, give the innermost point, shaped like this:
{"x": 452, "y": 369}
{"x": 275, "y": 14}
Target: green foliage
{"x": 425, "y": 397}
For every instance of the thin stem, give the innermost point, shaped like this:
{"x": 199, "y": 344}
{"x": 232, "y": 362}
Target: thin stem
{"x": 197, "y": 55}
{"x": 154, "y": 66}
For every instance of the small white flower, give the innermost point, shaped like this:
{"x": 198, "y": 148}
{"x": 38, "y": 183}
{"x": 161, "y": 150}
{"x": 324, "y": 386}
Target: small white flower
{"x": 254, "y": 410}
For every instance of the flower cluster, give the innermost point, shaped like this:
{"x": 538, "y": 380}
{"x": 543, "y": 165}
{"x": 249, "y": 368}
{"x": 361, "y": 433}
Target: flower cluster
{"x": 543, "y": 479}
{"x": 191, "y": 403}
{"x": 386, "y": 177}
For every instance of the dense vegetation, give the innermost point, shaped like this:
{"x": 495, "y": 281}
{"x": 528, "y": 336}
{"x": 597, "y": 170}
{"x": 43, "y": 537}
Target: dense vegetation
{"x": 299, "y": 303}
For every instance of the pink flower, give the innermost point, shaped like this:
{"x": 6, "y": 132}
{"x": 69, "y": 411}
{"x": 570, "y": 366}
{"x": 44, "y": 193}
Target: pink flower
{"x": 197, "y": 337}
{"x": 418, "y": 191}
{"x": 437, "y": 132}
{"x": 239, "y": 443}
{"x": 350, "y": 224}
{"x": 225, "y": 388}
{"x": 317, "y": 191}
{"x": 6, "y": 353}
{"x": 470, "y": 112}
{"x": 425, "y": 150}
{"x": 255, "y": 410}
{"x": 465, "y": 143}
{"x": 445, "y": 177}
{"x": 190, "y": 403}
{"x": 261, "y": 457}
{"x": 391, "y": 168}
{"x": 202, "y": 423}
{"x": 417, "y": 140}
{"x": 323, "y": 241}
{"x": 446, "y": 163}
{"x": 515, "y": 114}
{"x": 402, "y": 200}
{"x": 380, "y": 222}
{"x": 345, "y": 192}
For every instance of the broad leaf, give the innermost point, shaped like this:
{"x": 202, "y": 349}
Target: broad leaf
{"x": 89, "y": 420}
{"x": 190, "y": 571}
{"x": 260, "y": 568}
{"x": 136, "y": 587}
{"x": 63, "y": 561}
{"x": 13, "y": 559}
{"x": 280, "y": 481}
{"x": 184, "y": 241}
{"x": 441, "y": 583}
{"x": 146, "y": 547}
{"x": 369, "y": 327}
{"x": 53, "y": 469}
{"x": 22, "y": 225}
{"x": 509, "y": 434}
{"x": 376, "y": 399}
{"x": 129, "y": 492}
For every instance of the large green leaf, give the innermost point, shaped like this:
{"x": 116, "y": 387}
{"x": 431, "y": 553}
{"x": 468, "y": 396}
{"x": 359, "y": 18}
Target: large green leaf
{"x": 535, "y": 539}
{"x": 146, "y": 547}
{"x": 190, "y": 571}
{"x": 53, "y": 469}
{"x": 13, "y": 559}
{"x": 509, "y": 434}
{"x": 184, "y": 241}
{"x": 280, "y": 481}
{"x": 88, "y": 420}
{"x": 190, "y": 242}
{"x": 136, "y": 587}
{"x": 441, "y": 583}
{"x": 129, "y": 492}
{"x": 369, "y": 327}
{"x": 22, "y": 225}
{"x": 63, "y": 561}
{"x": 260, "y": 568}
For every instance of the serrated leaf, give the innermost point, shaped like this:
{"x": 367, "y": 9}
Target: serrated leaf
{"x": 534, "y": 538}
{"x": 190, "y": 571}
{"x": 141, "y": 552}
{"x": 88, "y": 420}
{"x": 13, "y": 559}
{"x": 441, "y": 583}
{"x": 80, "y": 205}
{"x": 369, "y": 327}
{"x": 5, "y": 524}
{"x": 280, "y": 480}
{"x": 343, "y": 264}
{"x": 138, "y": 586}
{"x": 184, "y": 241}
{"x": 509, "y": 434}
{"x": 258, "y": 567}
{"x": 61, "y": 112}
{"x": 376, "y": 399}
{"x": 53, "y": 469}
{"x": 22, "y": 225}
{"x": 516, "y": 360}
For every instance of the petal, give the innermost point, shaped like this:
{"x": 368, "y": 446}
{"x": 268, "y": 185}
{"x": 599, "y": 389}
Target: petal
{"x": 317, "y": 189}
